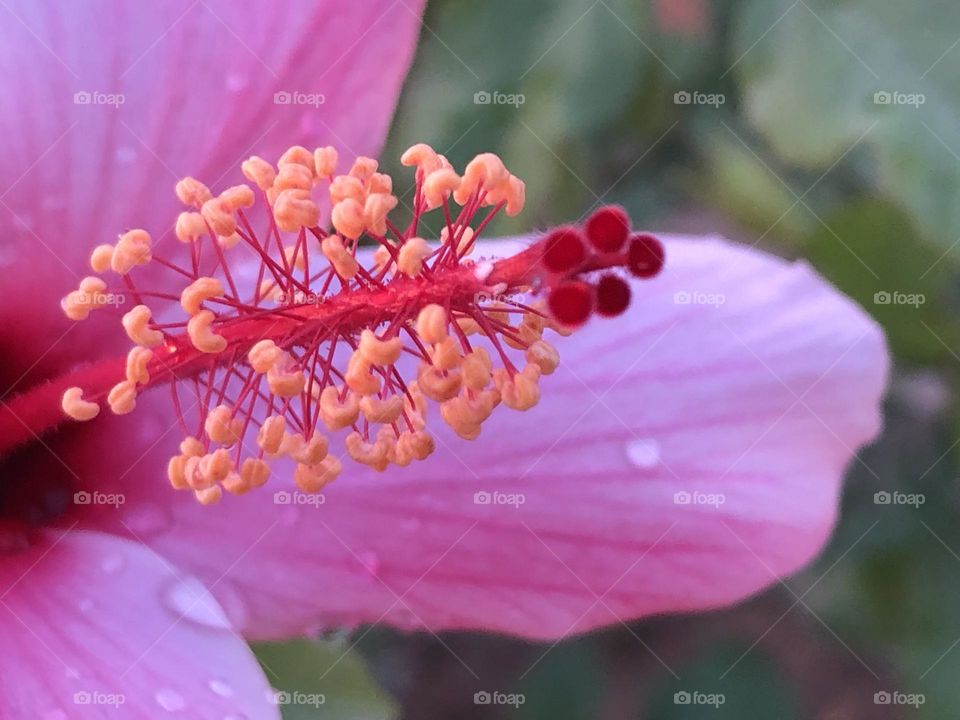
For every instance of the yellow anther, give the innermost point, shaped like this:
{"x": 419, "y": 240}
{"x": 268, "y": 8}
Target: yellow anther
{"x": 438, "y": 185}
{"x": 347, "y": 218}
{"x": 476, "y": 369}
{"x": 343, "y": 261}
{"x": 264, "y": 355}
{"x": 202, "y": 337}
{"x": 271, "y": 434}
{"x": 382, "y": 258}
{"x": 254, "y": 472}
{"x": 229, "y": 242}
{"x": 216, "y": 466}
{"x": 325, "y": 161}
{"x": 432, "y": 323}
{"x": 294, "y": 209}
{"x": 436, "y": 385}
{"x": 522, "y": 391}
{"x": 191, "y": 447}
{"x": 468, "y": 326}
{"x": 308, "y": 452}
{"x": 76, "y": 407}
{"x": 209, "y": 496}
{"x": 446, "y": 354}
{"x": 259, "y": 172}
{"x": 421, "y": 156}
{"x": 136, "y": 323}
{"x": 418, "y": 444}
{"x": 78, "y": 305}
{"x": 336, "y": 413}
{"x": 516, "y": 196}
{"x": 364, "y": 168}
{"x": 453, "y": 416}
{"x": 313, "y": 478}
{"x": 293, "y": 177}
{"x": 221, "y": 426}
{"x": 190, "y": 226}
{"x": 466, "y": 245}
{"x": 359, "y": 376}
{"x": 235, "y": 484}
{"x": 382, "y": 410}
{"x": 486, "y": 171}
{"x": 544, "y": 355}
{"x": 344, "y": 187}
{"x": 238, "y": 196}
{"x": 192, "y": 192}
{"x": 296, "y": 155}
{"x": 176, "y": 472}
{"x": 100, "y": 258}
{"x": 375, "y": 211}
{"x": 285, "y": 383}
{"x": 366, "y": 453}
{"x": 122, "y": 398}
{"x": 379, "y": 352}
{"x": 137, "y": 360}
{"x": 379, "y": 183}
{"x": 219, "y": 214}
{"x": 201, "y": 289}
{"x": 269, "y": 290}
{"x": 412, "y": 254}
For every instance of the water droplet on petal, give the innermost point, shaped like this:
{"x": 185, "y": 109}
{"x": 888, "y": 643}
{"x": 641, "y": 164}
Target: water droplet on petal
{"x": 170, "y": 700}
{"x": 220, "y": 687}
{"x": 189, "y": 598}
{"x": 146, "y": 519}
{"x": 112, "y": 564}
{"x": 644, "y": 454}
{"x": 236, "y": 82}
{"x": 233, "y": 605}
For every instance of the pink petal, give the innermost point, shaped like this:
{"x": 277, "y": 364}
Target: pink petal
{"x": 762, "y": 398}
{"x": 198, "y": 81}
{"x": 94, "y": 626}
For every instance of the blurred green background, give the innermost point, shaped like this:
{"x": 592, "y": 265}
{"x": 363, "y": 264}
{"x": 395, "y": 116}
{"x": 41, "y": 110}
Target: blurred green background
{"x": 822, "y": 129}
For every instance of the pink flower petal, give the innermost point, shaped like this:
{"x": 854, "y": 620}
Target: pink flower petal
{"x": 736, "y": 377}
{"x": 94, "y": 626}
{"x": 108, "y": 104}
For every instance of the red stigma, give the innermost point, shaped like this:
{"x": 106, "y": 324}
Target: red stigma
{"x": 645, "y": 256}
{"x": 613, "y": 296}
{"x": 571, "y": 303}
{"x": 607, "y": 228}
{"x": 564, "y": 249}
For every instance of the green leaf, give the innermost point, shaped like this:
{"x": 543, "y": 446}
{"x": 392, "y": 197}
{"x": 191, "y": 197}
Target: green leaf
{"x": 812, "y": 70}
{"x": 304, "y": 672}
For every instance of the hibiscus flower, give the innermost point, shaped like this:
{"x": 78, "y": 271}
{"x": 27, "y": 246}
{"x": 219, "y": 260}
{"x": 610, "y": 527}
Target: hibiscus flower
{"x": 682, "y": 456}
